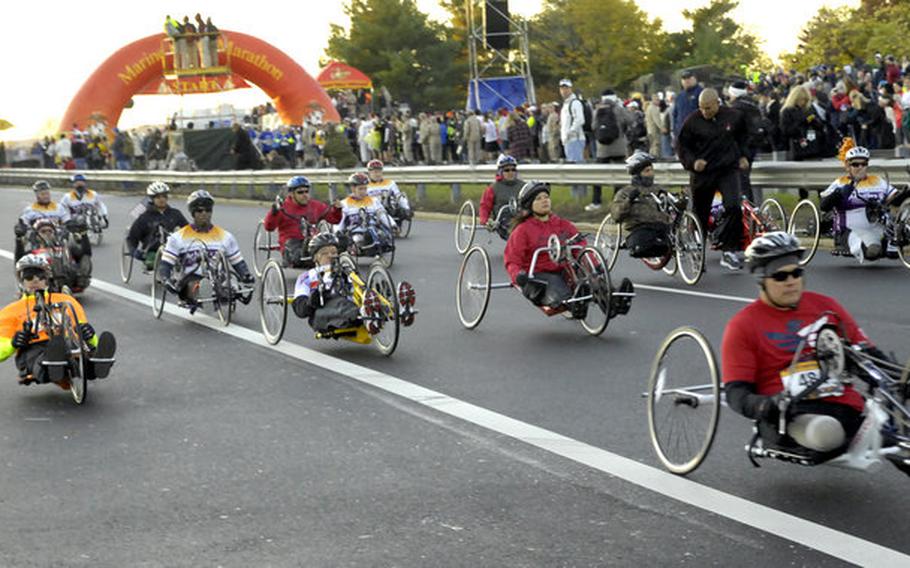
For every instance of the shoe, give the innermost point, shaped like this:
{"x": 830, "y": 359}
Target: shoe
{"x": 730, "y": 260}
{"x": 592, "y": 207}
{"x": 55, "y": 359}
{"x": 620, "y": 305}
{"x": 103, "y": 357}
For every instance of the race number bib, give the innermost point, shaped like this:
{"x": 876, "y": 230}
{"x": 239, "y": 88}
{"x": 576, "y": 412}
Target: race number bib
{"x": 797, "y": 379}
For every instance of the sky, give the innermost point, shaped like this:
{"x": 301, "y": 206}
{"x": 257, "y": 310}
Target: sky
{"x": 44, "y": 65}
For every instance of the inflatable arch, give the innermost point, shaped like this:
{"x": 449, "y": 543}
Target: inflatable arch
{"x": 132, "y": 68}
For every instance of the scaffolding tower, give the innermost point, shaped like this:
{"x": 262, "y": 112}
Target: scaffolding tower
{"x": 482, "y": 57}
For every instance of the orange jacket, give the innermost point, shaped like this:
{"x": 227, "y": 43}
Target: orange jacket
{"x": 14, "y": 315}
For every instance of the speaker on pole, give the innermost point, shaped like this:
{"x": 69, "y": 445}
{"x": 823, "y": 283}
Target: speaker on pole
{"x": 496, "y": 24}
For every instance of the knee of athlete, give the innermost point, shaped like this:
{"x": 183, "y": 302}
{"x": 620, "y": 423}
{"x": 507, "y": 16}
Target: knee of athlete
{"x": 817, "y": 432}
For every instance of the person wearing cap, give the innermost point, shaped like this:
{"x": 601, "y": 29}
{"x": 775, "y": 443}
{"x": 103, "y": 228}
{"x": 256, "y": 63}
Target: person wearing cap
{"x": 741, "y": 100}
{"x": 711, "y": 146}
{"x": 571, "y": 122}
{"x": 759, "y": 345}
{"x": 43, "y": 207}
{"x": 850, "y": 196}
{"x": 646, "y": 226}
{"x": 532, "y": 226}
{"x": 686, "y": 101}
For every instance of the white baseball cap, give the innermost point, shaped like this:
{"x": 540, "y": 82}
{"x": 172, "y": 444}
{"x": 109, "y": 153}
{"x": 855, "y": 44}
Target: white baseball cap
{"x": 565, "y": 83}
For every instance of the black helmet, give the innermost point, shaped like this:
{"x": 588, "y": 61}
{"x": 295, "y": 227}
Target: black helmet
{"x": 529, "y": 191}
{"x": 639, "y": 161}
{"x": 41, "y": 185}
{"x": 771, "y": 246}
{"x": 321, "y": 240}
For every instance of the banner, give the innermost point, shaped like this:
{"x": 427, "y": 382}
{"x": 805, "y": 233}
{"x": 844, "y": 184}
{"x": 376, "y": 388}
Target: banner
{"x": 497, "y": 92}
{"x": 194, "y": 84}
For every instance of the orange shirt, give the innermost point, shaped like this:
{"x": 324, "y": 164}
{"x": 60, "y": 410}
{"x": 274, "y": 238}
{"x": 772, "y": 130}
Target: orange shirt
{"x": 14, "y": 315}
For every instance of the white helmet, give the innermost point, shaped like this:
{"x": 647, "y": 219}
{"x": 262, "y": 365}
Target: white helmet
{"x": 157, "y": 188}
{"x": 857, "y": 152}
{"x": 199, "y": 197}
{"x": 32, "y": 261}
{"x": 639, "y": 161}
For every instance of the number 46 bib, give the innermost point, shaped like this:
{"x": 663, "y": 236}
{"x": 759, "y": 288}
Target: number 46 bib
{"x": 797, "y": 379}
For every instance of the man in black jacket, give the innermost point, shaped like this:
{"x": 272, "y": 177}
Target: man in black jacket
{"x": 741, "y": 100}
{"x": 143, "y": 235}
{"x": 712, "y": 146}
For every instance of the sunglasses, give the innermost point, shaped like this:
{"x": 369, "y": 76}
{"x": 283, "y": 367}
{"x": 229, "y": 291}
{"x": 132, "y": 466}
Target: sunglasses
{"x": 504, "y": 170}
{"x": 34, "y": 276}
{"x": 859, "y": 164}
{"x": 302, "y": 191}
{"x": 202, "y": 210}
{"x": 783, "y": 275}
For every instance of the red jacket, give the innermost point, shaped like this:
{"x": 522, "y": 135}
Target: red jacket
{"x": 287, "y": 219}
{"x": 530, "y": 235}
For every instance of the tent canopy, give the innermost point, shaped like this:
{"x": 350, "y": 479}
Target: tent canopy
{"x": 338, "y": 75}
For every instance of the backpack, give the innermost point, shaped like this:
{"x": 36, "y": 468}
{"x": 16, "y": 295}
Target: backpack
{"x": 588, "y": 111}
{"x": 607, "y": 129}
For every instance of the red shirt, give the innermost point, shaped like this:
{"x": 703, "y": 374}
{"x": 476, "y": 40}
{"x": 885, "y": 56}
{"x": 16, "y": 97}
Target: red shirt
{"x": 287, "y": 219}
{"x": 760, "y": 341}
{"x": 530, "y": 235}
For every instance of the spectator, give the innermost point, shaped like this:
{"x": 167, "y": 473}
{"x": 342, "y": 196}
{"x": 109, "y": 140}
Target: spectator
{"x": 609, "y": 110}
{"x": 798, "y": 125}
{"x": 519, "y": 137}
{"x": 63, "y": 150}
{"x": 571, "y": 133}
{"x": 654, "y": 124}
{"x": 490, "y": 137}
{"x": 686, "y": 102}
{"x": 473, "y": 137}
{"x": 243, "y": 150}
{"x": 741, "y": 100}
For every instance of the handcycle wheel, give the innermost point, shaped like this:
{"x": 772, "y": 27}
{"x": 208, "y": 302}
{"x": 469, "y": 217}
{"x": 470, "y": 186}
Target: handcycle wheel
{"x": 465, "y": 227}
{"x": 902, "y": 233}
{"x": 805, "y": 225}
{"x": 95, "y": 237}
{"x": 159, "y": 290}
{"x": 379, "y": 280}
{"x": 473, "y": 293}
{"x": 683, "y": 413}
{"x": 690, "y": 248}
{"x": 347, "y": 263}
{"x": 222, "y": 288}
{"x": 404, "y": 227}
{"x": 262, "y": 248}
{"x": 773, "y": 213}
{"x": 595, "y": 274}
{"x": 126, "y": 262}
{"x": 608, "y": 239}
{"x": 273, "y": 302}
{"x": 387, "y": 256}
{"x": 73, "y": 339}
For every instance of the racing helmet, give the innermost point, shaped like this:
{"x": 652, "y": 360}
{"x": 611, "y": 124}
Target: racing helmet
{"x": 77, "y": 177}
{"x": 358, "y": 178}
{"x": 298, "y": 181}
{"x": 529, "y": 191}
{"x": 505, "y": 161}
{"x": 639, "y": 161}
{"x": 772, "y": 246}
{"x": 43, "y": 223}
{"x": 375, "y": 165}
{"x": 321, "y": 240}
{"x": 36, "y": 262}
{"x": 199, "y": 198}
{"x": 157, "y": 188}
{"x": 857, "y": 152}
{"x": 41, "y": 185}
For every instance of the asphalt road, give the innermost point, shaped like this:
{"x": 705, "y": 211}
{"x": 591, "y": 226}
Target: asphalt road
{"x": 205, "y": 449}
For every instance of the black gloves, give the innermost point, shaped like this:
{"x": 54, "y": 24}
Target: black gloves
{"x": 86, "y": 331}
{"x": 769, "y": 408}
{"x": 845, "y": 191}
{"x": 247, "y": 278}
{"x": 634, "y": 194}
{"x": 20, "y": 229}
{"x": 521, "y": 278}
{"x": 21, "y": 339}
{"x": 107, "y": 223}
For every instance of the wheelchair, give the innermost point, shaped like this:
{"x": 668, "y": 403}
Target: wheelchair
{"x": 686, "y": 254}
{"x": 809, "y": 225}
{"x": 265, "y": 243}
{"x": 58, "y": 319}
{"x": 146, "y": 250}
{"x": 466, "y": 224}
{"x": 219, "y": 287}
{"x": 370, "y": 238}
{"x": 685, "y": 395}
{"x": 382, "y": 328}
{"x": 586, "y": 272}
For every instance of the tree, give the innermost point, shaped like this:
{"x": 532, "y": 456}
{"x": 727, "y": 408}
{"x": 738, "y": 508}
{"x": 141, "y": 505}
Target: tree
{"x": 716, "y": 39}
{"x": 401, "y": 49}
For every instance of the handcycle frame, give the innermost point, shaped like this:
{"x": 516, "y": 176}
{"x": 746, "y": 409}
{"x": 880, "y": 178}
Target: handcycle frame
{"x": 127, "y": 258}
{"x": 886, "y": 415}
{"x": 215, "y": 269}
{"x": 808, "y": 230}
{"x": 58, "y": 256}
{"x": 687, "y": 247}
{"x": 392, "y": 205}
{"x": 466, "y": 222}
{"x": 382, "y": 247}
{"x": 274, "y": 303}
{"x": 265, "y": 243}
{"x": 770, "y": 216}
{"x": 581, "y": 266}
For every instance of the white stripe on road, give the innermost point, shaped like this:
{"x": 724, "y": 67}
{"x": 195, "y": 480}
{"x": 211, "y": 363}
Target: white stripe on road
{"x": 694, "y": 293}
{"x": 784, "y": 525}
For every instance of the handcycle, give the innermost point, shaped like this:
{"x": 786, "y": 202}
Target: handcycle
{"x": 686, "y": 252}
{"x": 401, "y": 216}
{"x": 59, "y": 319}
{"x": 683, "y": 413}
{"x": 219, "y": 287}
{"x": 586, "y": 273}
{"x": 809, "y": 225}
{"x": 144, "y": 250}
{"x": 382, "y": 327}
{"x": 369, "y": 238}
{"x": 265, "y": 244}
{"x": 770, "y": 216}
{"x": 466, "y": 224}
{"x": 59, "y": 257}
{"x": 96, "y": 225}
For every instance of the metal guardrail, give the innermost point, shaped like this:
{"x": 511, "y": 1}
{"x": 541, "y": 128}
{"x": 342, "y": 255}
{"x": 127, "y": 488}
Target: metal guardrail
{"x": 263, "y": 184}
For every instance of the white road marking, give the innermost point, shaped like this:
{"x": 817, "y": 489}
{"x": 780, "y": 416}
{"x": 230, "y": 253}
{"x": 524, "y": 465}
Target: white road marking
{"x": 695, "y": 293}
{"x": 835, "y": 543}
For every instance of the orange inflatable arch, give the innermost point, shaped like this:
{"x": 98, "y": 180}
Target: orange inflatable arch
{"x": 127, "y": 72}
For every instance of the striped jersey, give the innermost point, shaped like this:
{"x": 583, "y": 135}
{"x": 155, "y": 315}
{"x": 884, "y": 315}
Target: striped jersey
{"x": 184, "y": 248}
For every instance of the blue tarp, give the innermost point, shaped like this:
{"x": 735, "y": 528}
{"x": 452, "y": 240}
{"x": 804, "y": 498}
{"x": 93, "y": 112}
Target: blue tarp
{"x": 498, "y": 92}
